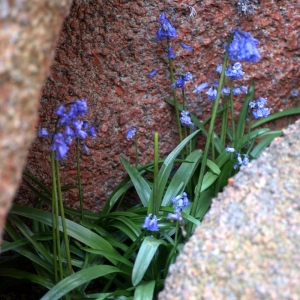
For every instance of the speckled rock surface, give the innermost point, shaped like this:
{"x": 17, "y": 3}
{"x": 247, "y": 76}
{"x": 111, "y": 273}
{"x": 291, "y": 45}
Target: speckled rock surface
{"x": 105, "y": 53}
{"x": 248, "y": 245}
{"x": 28, "y": 33}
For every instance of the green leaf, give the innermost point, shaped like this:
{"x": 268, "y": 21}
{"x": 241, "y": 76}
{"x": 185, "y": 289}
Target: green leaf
{"x": 226, "y": 172}
{"x": 204, "y": 203}
{"x": 182, "y": 177}
{"x": 75, "y": 280}
{"x": 145, "y": 255}
{"x": 208, "y": 179}
{"x": 240, "y": 128}
{"x": 109, "y": 254}
{"x": 277, "y": 115}
{"x": 142, "y": 187}
{"x": 213, "y": 167}
{"x": 167, "y": 166}
{"x": 18, "y": 274}
{"x": 263, "y": 144}
{"x": 144, "y": 291}
{"x": 74, "y": 230}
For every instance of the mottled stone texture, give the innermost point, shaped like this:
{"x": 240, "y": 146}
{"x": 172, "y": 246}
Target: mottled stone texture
{"x": 28, "y": 33}
{"x": 247, "y": 247}
{"x": 107, "y": 49}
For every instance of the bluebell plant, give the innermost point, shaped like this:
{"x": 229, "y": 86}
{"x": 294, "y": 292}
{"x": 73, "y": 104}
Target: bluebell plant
{"x": 69, "y": 126}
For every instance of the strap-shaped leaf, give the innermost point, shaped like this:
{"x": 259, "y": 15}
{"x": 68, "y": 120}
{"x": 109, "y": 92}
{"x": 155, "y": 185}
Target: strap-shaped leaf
{"x": 142, "y": 187}
{"x": 75, "y": 280}
{"x": 144, "y": 291}
{"x": 74, "y": 230}
{"x": 166, "y": 168}
{"x": 240, "y": 128}
{"x": 182, "y": 176}
{"x": 143, "y": 260}
{"x": 18, "y": 274}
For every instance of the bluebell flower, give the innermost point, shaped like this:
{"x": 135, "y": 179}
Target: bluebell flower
{"x": 188, "y": 76}
{"x": 236, "y": 91}
{"x": 188, "y": 48}
{"x": 219, "y": 69}
{"x": 185, "y": 119}
{"x": 258, "y": 108}
{"x": 261, "y": 113}
{"x": 166, "y": 28}
{"x": 198, "y": 89}
{"x": 130, "y": 132}
{"x": 241, "y": 161}
{"x": 243, "y": 47}
{"x": 181, "y": 201}
{"x": 86, "y": 148}
{"x": 42, "y": 132}
{"x": 175, "y": 216}
{"x": 79, "y": 133}
{"x": 235, "y": 72}
{"x": 153, "y": 73}
{"x": 225, "y": 90}
{"x": 91, "y": 131}
{"x": 60, "y": 111}
{"x": 212, "y": 93}
{"x": 170, "y": 53}
{"x": 150, "y": 223}
{"x": 81, "y": 107}
{"x": 244, "y": 89}
{"x": 59, "y": 146}
{"x": 230, "y": 150}
{"x": 181, "y": 80}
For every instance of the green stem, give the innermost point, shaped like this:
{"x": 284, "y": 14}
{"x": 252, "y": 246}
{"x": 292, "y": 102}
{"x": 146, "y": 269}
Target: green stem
{"x": 224, "y": 122}
{"x": 154, "y": 208}
{"x": 79, "y": 177}
{"x": 63, "y": 219}
{"x": 136, "y": 151}
{"x": 249, "y": 128}
{"x": 232, "y": 114}
{"x": 54, "y": 215}
{"x": 174, "y": 96}
{"x": 208, "y": 142}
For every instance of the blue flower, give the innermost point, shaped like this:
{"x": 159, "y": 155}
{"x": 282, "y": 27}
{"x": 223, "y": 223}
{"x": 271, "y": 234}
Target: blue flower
{"x": 235, "y": 72}
{"x": 243, "y": 47}
{"x": 226, "y": 90}
{"x": 245, "y": 161}
{"x": 261, "y": 113}
{"x": 92, "y": 131}
{"x": 185, "y": 119}
{"x": 59, "y": 146}
{"x": 42, "y": 132}
{"x": 170, "y": 53}
{"x": 188, "y": 48}
{"x": 188, "y": 76}
{"x": 181, "y": 201}
{"x": 176, "y": 217}
{"x": 81, "y": 107}
{"x": 130, "y": 132}
{"x": 150, "y": 223}
{"x": 166, "y": 28}
{"x": 212, "y": 93}
{"x": 153, "y": 73}
{"x": 86, "y": 148}
{"x": 230, "y": 150}
{"x": 79, "y": 133}
{"x": 181, "y": 80}
{"x": 198, "y": 89}
{"x": 258, "y": 108}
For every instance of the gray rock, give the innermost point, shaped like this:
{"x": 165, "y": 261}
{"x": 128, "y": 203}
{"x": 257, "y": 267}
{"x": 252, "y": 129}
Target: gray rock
{"x": 248, "y": 245}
